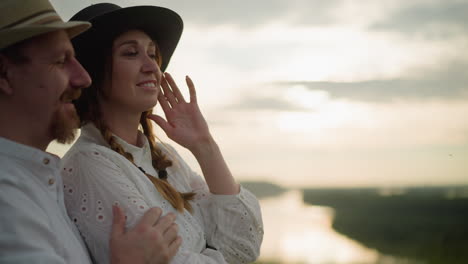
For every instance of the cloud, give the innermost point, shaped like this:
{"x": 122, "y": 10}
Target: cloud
{"x": 450, "y": 82}
{"x": 246, "y": 13}
{"x": 387, "y": 90}
{"x": 433, "y": 19}
{"x": 259, "y": 102}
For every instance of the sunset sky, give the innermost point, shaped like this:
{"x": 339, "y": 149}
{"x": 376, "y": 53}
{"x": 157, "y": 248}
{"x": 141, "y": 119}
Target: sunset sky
{"x": 316, "y": 93}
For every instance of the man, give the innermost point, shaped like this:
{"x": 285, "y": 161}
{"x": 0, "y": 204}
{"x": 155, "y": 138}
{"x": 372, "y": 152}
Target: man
{"x": 39, "y": 77}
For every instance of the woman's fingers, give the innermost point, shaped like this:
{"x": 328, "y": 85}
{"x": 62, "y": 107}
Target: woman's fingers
{"x": 168, "y": 93}
{"x": 163, "y": 101}
{"x": 171, "y": 95}
{"x": 175, "y": 90}
{"x": 163, "y": 124}
{"x": 191, "y": 87}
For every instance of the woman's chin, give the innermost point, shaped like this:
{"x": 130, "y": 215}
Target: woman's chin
{"x": 145, "y": 106}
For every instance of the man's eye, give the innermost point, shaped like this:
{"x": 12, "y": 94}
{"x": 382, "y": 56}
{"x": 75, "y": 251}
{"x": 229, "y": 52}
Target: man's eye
{"x": 61, "y": 61}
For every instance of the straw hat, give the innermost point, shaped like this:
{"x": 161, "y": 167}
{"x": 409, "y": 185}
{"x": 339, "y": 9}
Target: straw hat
{"x": 109, "y": 20}
{"x": 24, "y": 19}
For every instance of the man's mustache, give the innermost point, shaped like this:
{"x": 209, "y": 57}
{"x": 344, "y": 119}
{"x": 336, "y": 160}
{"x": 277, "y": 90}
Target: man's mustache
{"x": 70, "y": 95}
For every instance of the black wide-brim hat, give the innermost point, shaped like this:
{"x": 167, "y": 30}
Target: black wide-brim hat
{"x": 108, "y": 21}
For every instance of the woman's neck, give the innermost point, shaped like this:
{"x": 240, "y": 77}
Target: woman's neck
{"x": 122, "y": 123}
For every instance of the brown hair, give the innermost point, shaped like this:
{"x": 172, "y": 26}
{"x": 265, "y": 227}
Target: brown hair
{"x": 15, "y": 54}
{"x": 99, "y": 67}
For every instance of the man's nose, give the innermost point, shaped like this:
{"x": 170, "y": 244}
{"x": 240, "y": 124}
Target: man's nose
{"x": 79, "y": 77}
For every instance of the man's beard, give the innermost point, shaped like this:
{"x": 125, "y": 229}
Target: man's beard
{"x": 65, "y": 124}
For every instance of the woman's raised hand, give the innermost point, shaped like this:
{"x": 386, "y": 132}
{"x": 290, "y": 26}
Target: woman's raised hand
{"x": 187, "y": 127}
{"x": 184, "y": 121}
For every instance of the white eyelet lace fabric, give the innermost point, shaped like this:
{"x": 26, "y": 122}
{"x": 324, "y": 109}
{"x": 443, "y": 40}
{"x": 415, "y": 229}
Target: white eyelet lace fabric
{"x": 96, "y": 177}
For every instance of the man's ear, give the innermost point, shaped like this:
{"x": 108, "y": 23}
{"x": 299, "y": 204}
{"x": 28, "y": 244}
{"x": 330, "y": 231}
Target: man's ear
{"x": 5, "y": 86}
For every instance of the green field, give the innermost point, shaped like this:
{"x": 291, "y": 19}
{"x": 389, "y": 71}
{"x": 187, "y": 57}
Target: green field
{"x": 429, "y": 225}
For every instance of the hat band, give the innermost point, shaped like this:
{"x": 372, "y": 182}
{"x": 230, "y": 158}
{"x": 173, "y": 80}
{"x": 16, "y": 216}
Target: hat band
{"x": 40, "y": 18}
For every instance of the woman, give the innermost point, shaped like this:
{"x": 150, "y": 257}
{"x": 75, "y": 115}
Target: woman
{"x": 116, "y": 160}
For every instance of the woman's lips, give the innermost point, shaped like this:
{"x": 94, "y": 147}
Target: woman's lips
{"x": 148, "y": 85}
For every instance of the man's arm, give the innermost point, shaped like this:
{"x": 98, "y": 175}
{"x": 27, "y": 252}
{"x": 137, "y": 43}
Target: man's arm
{"x": 26, "y": 233}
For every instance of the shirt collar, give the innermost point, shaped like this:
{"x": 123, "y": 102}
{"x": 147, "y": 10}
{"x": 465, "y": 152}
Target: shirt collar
{"x": 91, "y": 133}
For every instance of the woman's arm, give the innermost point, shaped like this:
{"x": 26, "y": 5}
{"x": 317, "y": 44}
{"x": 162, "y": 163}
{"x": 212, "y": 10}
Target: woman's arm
{"x": 233, "y": 223}
{"x": 231, "y": 215}
{"x": 186, "y": 126}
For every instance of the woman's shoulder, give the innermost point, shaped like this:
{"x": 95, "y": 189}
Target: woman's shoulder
{"x": 88, "y": 159}
{"x": 168, "y": 150}
{"x": 165, "y": 147}
{"x": 88, "y": 150}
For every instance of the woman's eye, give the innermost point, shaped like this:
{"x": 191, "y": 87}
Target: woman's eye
{"x": 130, "y": 53}
{"x": 153, "y": 56}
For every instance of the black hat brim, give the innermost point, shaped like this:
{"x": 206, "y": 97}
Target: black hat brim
{"x": 163, "y": 25}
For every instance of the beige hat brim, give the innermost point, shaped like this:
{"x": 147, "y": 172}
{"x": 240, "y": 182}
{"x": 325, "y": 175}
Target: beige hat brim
{"x": 14, "y": 35}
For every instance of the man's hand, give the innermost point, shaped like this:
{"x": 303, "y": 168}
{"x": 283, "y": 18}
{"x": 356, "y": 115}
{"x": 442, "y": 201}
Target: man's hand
{"x": 153, "y": 240}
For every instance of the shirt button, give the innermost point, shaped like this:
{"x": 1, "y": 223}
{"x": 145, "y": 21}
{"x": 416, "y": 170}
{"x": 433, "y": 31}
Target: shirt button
{"x": 51, "y": 181}
{"x": 46, "y": 161}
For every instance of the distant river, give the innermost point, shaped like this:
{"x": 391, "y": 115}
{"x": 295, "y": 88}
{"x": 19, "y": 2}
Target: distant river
{"x": 299, "y": 233}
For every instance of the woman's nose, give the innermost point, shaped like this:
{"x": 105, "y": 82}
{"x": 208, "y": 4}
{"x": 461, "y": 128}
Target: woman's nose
{"x": 150, "y": 65}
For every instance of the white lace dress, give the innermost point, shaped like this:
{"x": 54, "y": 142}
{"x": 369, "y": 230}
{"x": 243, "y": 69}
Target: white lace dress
{"x": 96, "y": 177}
